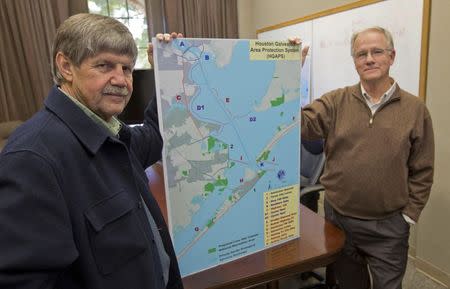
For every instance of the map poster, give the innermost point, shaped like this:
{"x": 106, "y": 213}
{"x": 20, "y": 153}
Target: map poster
{"x": 229, "y": 116}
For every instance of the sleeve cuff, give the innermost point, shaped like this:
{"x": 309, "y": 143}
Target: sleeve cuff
{"x": 408, "y": 219}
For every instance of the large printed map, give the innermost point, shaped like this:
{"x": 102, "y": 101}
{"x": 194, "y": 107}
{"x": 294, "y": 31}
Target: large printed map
{"x": 228, "y": 113}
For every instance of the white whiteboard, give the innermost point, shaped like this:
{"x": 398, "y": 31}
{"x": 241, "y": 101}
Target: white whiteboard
{"x": 329, "y": 37}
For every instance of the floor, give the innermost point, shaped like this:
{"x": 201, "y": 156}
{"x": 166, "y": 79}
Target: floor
{"x": 414, "y": 279}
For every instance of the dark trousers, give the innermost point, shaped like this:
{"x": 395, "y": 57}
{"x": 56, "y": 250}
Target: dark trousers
{"x": 380, "y": 246}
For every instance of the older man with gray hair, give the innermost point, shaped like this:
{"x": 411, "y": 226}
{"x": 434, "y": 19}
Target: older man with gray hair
{"x": 379, "y": 149}
{"x": 75, "y": 207}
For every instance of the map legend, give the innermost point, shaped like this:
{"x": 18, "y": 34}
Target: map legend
{"x": 281, "y": 211}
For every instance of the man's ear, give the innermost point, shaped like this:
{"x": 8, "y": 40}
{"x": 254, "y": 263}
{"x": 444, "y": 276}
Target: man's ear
{"x": 65, "y": 66}
{"x": 392, "y": 55}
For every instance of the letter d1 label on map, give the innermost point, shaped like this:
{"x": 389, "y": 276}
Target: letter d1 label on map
{"x": 274, "y": 50}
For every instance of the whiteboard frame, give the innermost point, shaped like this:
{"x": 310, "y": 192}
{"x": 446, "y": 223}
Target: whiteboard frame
{"x": 424, "y": 34}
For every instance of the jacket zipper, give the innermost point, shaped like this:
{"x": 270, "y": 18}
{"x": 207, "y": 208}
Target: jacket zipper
{"x": 372, "y": 116}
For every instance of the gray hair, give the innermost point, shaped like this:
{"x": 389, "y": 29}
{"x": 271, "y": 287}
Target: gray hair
{"x": 385, "y": 32}
{"x": 86, "y": 35}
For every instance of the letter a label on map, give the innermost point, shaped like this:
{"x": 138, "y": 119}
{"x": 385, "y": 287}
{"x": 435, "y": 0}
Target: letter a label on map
{"x": 231, "y": 147}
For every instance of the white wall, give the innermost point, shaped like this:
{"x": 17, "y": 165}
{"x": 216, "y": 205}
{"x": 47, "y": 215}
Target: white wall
{"x": 430, "y": 238}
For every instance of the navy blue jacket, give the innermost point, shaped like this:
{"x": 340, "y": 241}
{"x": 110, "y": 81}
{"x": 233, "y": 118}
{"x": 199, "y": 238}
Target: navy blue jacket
{"x": 71, "y": 214}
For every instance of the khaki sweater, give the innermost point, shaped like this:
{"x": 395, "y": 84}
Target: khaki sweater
{"x": 375, "y": 165}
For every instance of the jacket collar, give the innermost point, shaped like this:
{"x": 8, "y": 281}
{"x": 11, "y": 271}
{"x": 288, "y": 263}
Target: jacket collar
{"x": 90, "y": 134}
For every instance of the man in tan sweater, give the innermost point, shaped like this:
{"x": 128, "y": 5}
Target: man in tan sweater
{"x": 379, "y": 148}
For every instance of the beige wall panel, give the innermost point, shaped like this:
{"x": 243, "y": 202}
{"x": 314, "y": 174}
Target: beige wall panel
{"x": 245, "y": 19}
{"x": 433, "y": 231}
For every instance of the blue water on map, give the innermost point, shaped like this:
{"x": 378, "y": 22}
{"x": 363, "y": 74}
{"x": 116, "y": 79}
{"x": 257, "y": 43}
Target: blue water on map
{"x": 229, "y": 101}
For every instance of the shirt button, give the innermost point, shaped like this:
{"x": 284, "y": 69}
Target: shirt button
{"x": 140, "y": 205}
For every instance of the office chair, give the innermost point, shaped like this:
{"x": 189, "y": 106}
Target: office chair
{"x": 312, "y": 163}
{"x": 311, "y": 167}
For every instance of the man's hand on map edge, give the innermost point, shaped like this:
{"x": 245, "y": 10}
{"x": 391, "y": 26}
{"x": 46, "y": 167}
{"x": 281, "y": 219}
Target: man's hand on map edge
{"x": 166, "y": 37}
{"x": 298, "y": 41}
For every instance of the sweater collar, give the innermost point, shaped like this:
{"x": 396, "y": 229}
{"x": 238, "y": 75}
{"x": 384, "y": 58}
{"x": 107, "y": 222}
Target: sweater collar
{"x": 385, "y": 97}
{"x": 356, "y": 92}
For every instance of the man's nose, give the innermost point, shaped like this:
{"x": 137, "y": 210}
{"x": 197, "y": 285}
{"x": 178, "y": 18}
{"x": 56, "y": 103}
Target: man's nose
{"x": 119, "y": 78}
{"x": 369, "y": 57}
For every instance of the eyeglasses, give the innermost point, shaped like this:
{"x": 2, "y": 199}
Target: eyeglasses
{"x": 375, "y": 53}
